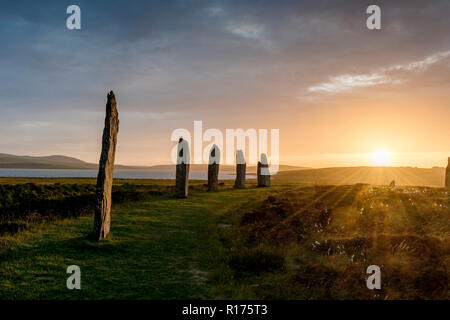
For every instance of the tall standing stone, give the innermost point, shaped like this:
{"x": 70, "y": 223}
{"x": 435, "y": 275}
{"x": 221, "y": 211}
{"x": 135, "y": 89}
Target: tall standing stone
{"x": 447, "y": 175}
{"x": 102, "y": 218}
{"x": 182, "y": 170}
{"x": 263, "y": 172}
{"x": 239, "y": 183}
{"x": 213, "y": 168}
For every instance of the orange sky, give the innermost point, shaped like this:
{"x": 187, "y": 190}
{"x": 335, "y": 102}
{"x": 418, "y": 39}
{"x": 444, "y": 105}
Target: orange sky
{"x": 336, "y": 91}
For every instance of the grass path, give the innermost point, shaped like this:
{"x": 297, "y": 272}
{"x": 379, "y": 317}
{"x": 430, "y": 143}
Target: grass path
{"x": 161, "y": 248}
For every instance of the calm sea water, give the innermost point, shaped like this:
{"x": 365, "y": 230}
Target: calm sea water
{"x": 121, "y": 174}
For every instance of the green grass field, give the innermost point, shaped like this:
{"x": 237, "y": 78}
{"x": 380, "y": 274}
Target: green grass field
{"x": 159, "y": 248}
{"x": 283, "y": 242}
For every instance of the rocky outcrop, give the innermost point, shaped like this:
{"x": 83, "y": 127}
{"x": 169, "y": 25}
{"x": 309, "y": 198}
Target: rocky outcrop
{"x": 102, "y": 218}
{"x": 182, "y": 169}
{"x": 239, "y": 183}
{"x": 213, "y": 168}
{"x": 263, "y": 173}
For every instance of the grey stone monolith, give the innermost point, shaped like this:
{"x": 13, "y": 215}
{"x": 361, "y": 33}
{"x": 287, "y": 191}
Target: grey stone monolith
{"x": 182, "y": 169}
{"x": 263, "y": 173}
{"x": 447, "y": 175}
{"x": 213, "y": 168}
{"x": 102, "y": 217}
{"x": 239, "y": 183}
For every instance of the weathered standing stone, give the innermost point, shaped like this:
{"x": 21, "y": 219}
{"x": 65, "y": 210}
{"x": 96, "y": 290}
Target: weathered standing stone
{"x": 447, "y": 175}
{"x": 239, "y": 183}
{"x": 213, "y": 168}
{"x": 182, "y": 170}
{"x": 263, "y": 172}
{"x": 102, "y": 218}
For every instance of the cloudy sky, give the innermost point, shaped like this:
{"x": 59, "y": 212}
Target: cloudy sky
{"x": 336, "y": 90}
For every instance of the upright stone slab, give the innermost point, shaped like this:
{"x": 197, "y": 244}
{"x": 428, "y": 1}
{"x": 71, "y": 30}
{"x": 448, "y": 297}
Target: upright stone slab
{"x": 182, "y": 170}
{"x": 213, "y": 168}
{"x": 239, "y": 183}
{"x": 263, "y": 172}
{"x": 447, "y": 175}
{"x": 102, "y": 218}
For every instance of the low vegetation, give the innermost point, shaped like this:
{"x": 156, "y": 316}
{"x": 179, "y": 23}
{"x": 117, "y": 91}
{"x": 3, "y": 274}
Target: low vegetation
{"x": 290, "y": 241}
{"x": 23, "y": 205}
{"x": 316, "y": 243}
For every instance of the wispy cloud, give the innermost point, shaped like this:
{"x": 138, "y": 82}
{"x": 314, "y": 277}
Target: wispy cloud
{"x": 34, "y": 124}
{"x": 348, "y": 81}
{"x": 420, "y": 65}
{"x": 215, "y": 11}
{"x": 342, "y": 83}
{"x": 246, "y": 30}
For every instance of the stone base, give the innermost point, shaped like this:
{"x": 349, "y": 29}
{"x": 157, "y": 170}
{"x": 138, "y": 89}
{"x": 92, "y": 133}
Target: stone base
{"x": 182, "y": 181}
{"x": 213, "y": 177}
{"x": 239, "y": 183}
{"x": 263, "y": 180}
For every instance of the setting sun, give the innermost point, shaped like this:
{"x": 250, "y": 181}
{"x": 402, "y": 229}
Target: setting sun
{"x": 381, "y": 158}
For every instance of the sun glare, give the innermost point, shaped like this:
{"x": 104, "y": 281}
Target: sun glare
{"x": 381, "y": 158}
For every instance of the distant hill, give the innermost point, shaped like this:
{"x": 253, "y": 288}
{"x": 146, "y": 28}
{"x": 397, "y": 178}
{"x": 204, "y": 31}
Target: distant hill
{"x": 433, "y": 177}
{"x": 49, "y": 162}
{"x": 63, "y": 162}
